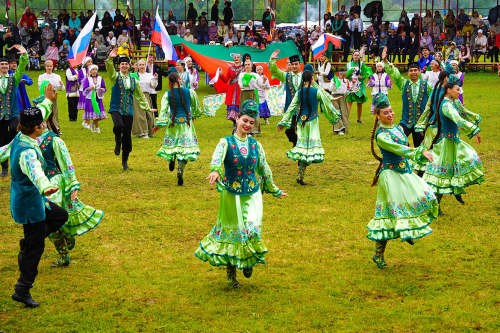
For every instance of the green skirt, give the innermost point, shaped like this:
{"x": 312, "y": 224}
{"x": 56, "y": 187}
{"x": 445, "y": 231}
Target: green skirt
{"x": 456, "y": 165}
{"x": 405, "y": 207}
{"x": 355, "y": 98}
{"x": 180, "y": 142}
{"x": 308, "y": 149}
{"x": 429, "y": 136}
{"x": 236, "y": 237}
{"x": 81, "y": 218}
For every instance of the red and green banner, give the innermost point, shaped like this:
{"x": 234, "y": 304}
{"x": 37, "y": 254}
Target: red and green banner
{"x": 211, "y": 57}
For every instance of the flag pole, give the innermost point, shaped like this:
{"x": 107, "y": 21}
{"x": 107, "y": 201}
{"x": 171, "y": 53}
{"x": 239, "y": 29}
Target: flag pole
{"x": 150, "y": 38}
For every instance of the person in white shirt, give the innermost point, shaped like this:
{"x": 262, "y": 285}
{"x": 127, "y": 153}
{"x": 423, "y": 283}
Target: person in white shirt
{"x": 57, "y": 84}
{"x": 338, "y": 88}
{"x": 111, "y": 39}
{"x": 144, "y": 121}
{"x": 479, "y": 46}
{"x": 249, "y": 83}
{"x": 323, "y": 71}
{"x": 264, "y": 111}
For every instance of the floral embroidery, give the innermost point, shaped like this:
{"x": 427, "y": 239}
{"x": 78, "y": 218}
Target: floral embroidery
{"x": 5, "y": 100}
{"x": 239, "y": 235}
{"x": 408, "y": 210}
{"x": 455, "y": 169}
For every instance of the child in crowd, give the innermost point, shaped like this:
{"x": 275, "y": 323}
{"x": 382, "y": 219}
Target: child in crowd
{"x": 380, "y": 81}
{"x": 264, "y": 111}
{"x": 339, "y": 88}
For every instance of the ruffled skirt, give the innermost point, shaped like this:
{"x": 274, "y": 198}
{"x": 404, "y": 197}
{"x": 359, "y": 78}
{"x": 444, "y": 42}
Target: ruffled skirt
{"x": 264, "y": 111}
{"x": 405, "y": 207}
{"x": 89, "y": 113}
{"x": 456, "y": 165}
{"x": 236, "y": 237}
{"x": 180, "y": 142}
{"x": 351, "y": 97}
{"x": 81, "y": 101}
{"x": 429, "y": 136}
{"x": 308, "y": 149}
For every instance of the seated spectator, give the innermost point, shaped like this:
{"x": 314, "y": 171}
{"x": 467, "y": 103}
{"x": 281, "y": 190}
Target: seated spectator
{"x": 59, "y": 38}
{"x": 202, "y": 31}
{"x": 464, "y": 56}
{"x": 124, "y": 50}
{"x": 326, "y": 20}
{"x": 403, "y": 27}
{"x": 449, "y": 23}
{"x": 496, "y": 27}
{"x": 461, "y": 19}
{"x": 192, "y": 28}
{"x": 426, "y": 41}
{"x": 15, "y": 32}
{"x": 118, "y": 17}
{"x": 249, "y": 37}
{"x": 60, "y": 25}
{"x": 373, "y": 44}
{"x": 240, "y": 39}
{"x": 479, "y": 46}
{"x": 230, "y": 37}
{"x": 481, "y": 26}
{"x": 425, "y": 61}
{"x": 299, "y": 43}
{"x": 83, "y": 19}
{"x": 97, "y": 37}
{"x": 111, "y": 39}
{"x": 467, "y": 27}
{"x": 71, "y": 37}
{"x": 181, "y": 30}
{"x": 382, "y": 43}
{"x": 275, "y": 40}
{"x": 414, "y": 44}
{"x": 48, "y": 18}
{"x": 188, "y": 37}
{"x": 263, "y": 33}
{"x": 63, "y": 55}
{"x": 172, "y": 29}
{"x": 281, "y": 36}
{"x": 222, "y": 31}
{"x": 228, "y": 43}
{"x": 439, "y": 19}
{"x": 212, "y": 32}
{"x": 338, "y": 25}
{"x": 415, "y": 26}
{"x": 251, "y": 27}
{"x": 386, "y": 27}
{"x": 146, "y": 23}
{"x": 364, "y": 45}
{"x": 492, "y": 46}
{"x": 469, "y": 39}
{"x": 392, "y": 46}
{"x": 232, "y": 27}
{"x": 451, "y": 53}
{"x": 123, "y": 38}
{"x": 47, "y": 36}
{"x": 434, "y": 32}
{"x": 52, "y": 53}
{"x": 24, "y": 33}
{"x": 404, "y": 19}
{"x": 427, "y": 20}
{"x": 474, "y": 21}
{"x": 74, "y": 23}
{"x": 458, "y": 40}
{"x": 171, "y": 16}
{"x": 119, "y": 27}
{"x": 10, "y": 50}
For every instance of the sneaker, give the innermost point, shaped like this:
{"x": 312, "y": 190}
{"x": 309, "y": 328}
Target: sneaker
{"x": 85, "y": 125}
{"x": 98, "y": 130}
{"x": 341, "y": 133}
{"x": 360, "y": 122}
{"x": 266, "y": 122}
{"x": 92, "y": 128}
{"x": 145, "y": 137}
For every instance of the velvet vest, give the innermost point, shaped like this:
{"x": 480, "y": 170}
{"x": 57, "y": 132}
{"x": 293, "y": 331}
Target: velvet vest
{"x": 122, "y": 99}
{"x": 9, "y": 107}
{"x": 391, "y": 161}
{"x": 304, "y": 111}
{"x": 26, "y": 203}
{"x": 449, "y": 129}
{"x": 289, "y": 90}
{"x": 412, "y": 111}
{"x": 181, "y": 114}
{"x": 49, "y": 156}
{"x": 239, "y": 177}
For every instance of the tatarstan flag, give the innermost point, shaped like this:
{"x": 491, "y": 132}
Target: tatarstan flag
{"x": 211, "y": 57}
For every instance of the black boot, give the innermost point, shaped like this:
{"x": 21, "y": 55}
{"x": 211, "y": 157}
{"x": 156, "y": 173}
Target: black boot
{"x": 171, "y": 165}
{"x": 124, "y": 161}
{"x": 22, "y": 246}
{"x": 22, "y": 294}
{"x": 247, "y": 272}
{"x": 118, "y": 147}
{"x": 420, "y": 173}
{"x": 459, "y": 198}
{"x": 410, "y": 241}
{"x": 5, "y": 169}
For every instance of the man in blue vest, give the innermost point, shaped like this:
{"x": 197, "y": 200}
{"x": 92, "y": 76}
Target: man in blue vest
{"x": 415, "y": 93}
{"x": 29, "y": 189}
{"x": 9, "y": 108}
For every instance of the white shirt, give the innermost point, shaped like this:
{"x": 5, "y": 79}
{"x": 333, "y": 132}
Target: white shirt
{"x": 324, "y": 70}
{"x": 342, "y": 89}
{"x": 147, "y": 82}
{"x": 255, "y": 82}
{"x": 262, "y": 90}
{"x": 55, "y": 79}
{"x": 71, "y": 77}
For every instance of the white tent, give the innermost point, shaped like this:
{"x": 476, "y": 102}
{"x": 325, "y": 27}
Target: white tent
{"x": 310, "y": 24}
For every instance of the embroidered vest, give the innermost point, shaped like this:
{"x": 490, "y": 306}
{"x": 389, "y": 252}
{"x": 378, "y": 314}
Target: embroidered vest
{"x": 412, "y": 111}
{"x": 181, "y": 114}
{"x": 239, "y": 177}
{"x": 8, "y": 101}
{"x": 449, "y": 129}
{"x": 289, "y": 90}
{"x": 391, "y": 161}
{"x": 26, "y": 203}
{"x": 313, "y": 101}
{"x": 122, "y": 99}
{"x": 46, "y": 145}
{"x": 72, "y": 86}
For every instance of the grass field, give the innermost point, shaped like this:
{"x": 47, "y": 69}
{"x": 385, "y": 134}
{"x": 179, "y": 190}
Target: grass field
{"x": 137, "y": 273}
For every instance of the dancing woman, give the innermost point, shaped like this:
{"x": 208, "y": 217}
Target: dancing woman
{"x": 456, "y": 164}
{"x": 405, "y": 203}
{"x": 82, "y": 74}
{"x": 235, "y": 241}
{"x": 305, "y": 102}
{"x": 179, "y": 107}
{"x": 93, "y": 90}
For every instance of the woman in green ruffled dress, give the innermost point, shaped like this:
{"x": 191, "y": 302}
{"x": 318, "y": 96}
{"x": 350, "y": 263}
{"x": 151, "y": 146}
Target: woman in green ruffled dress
{"x": 235, "y": 240}
{"x": 61, "y": 174}
{"x": 456, "y": 164}
{"x": 405, "y": 205}
{"x": 357, "y": 73}
{"x": 308, "y": 149}
{"x": 179, "y": 107}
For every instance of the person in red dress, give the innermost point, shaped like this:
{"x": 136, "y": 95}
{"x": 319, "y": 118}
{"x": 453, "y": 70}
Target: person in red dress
{"x": 233, "y": 90}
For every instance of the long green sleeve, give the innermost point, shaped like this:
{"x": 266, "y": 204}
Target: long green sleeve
{"x": 286, "y": 122}
{"x": 139, "y": 95}
{"x": 18, "y": 74}
{"x": 218, "y": 156}
{"x": 333, "y": 115}
{"x": 110, "y": 68}
{"x": 395, "y": 75}
{"x": 31, "y": 167}
{"x": 466, "y": 114}
{"x": 5, "y": 152}
{"x": 276, "y": 72}
{"x": 163, "y": 116}
{"x": 266, "y": 175}
{"x": 385, "y": 141}
{"x": 450, "y": 111}
{"x": 196, "y": 110}
{"x": 66, "y": 166}
{"x": 424, "y": 117}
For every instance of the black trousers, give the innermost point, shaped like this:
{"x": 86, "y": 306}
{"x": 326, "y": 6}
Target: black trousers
{"x": 123, "y": 130}
{"x": 403, "y": 52}
{"x": 8, "y": 130}
{"x": 34, "y": 235}
{"x": 493, "y": 53}
{"x": 154, "y": 102}
{"x": 347, "y": 47}
{"x": 413, "y": 54}
{"x": 291, "y": 132}
{"x": 73, "y": 108}
{"x": 391, "y": 54}
{"x": 417, "y": 137}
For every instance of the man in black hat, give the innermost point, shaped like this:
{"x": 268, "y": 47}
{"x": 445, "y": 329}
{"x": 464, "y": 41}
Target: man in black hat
{"x": 124, "y": 89}
{"x": 415, "y": 93}
{"x": 9, "y": 109}
{"x": 28, "y": 191}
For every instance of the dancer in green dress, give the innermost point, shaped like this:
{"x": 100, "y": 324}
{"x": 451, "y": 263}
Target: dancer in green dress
{"x": 60, "y": 172}
{"x": 179, "y": 106}
{"x": 456, "y": 164}
{"x": 305, "y": 102}
{"x": 357, "y": 73}
{"x": 405, "y": 205}
{"x": 235, "y": 240}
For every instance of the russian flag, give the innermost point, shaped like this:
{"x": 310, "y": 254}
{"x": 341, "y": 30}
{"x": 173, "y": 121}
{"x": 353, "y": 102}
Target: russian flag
{"x": 160, "y": 36}
{"x": 79, "y": 48}
{"x": 321, "y": 45}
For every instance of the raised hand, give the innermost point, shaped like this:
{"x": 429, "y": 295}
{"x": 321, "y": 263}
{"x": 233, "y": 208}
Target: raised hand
{"x": 49, "y": 92}
{"x": 20, "y": 48}
{"x": 114, "y": 53}
{"x": 275, "y": 54}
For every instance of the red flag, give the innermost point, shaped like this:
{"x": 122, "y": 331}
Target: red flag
{"x": 8, "y": 3}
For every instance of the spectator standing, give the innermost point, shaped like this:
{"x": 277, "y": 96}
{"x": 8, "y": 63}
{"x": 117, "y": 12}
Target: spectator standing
{"x": 214, "y": 13}
{"x": 357, "y": 29}
{"x": 326, "y": 20}
{"x": 60, "y": 23}
{"x": 212, "y": 32}
{"x": 203, "y": 17}
{"x": 83, "y": 19}
{"x": 315, "y": 35}
{"x": 426, "y": 41}
{"x": 28, "y": 17}
{"x": 364, "y": 45}
{"x": 171, "y": 17}
{"x": 202, "y": 31}
{"x": 347, "y": 36}
{"x": 47, "y": 37}
{"x": 172, "y": 29}
{"x": 355, "y": 8}
{"x": 181, "y": 30}
{"x": 479, "y": 46}
{"x": 416, "y": 23}
{"x": 107, "y": 23}
{"x": 74, "y": 23}
{"x": 439, "y": 19}
{"x": 373, "y": 44}
{"x": 228, "y": 12}
{"x": 392, "y": 46}
{"x": 462, "y": 18}
{"x": 427, "y": 20}
{"x": 188, "y": 37}
{"x": 266, "y": 19}
{"x": 222, "y": 31}
{"x": 47, "y": 16}
{"x": 146, "y": 23}
{"x": 89, "y": 16}
{"x": 404, "y": 18}
{"x": 376, "y": 14}
{"x": 10, "y": 46}
{"x": 192, "y": 28}
{"x": 192, "y": 15}
{"x": 118, "y": 17}
{"x": 338, "y": 24}
{"x": 342, "y": 11}
{"x": 66, "y": 16}
{"x": 15, "y": 33}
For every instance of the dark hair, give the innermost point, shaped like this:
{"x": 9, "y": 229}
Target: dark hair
{"x": 378, "y": 158}
{"x": 438, "y": 117}
{"x": 437, "y": 87}
{"x": 50, "y": 123}
{"x": 25, "y": 130}
{"x": 306, "y": 77}
{"x": 174, "y": 78}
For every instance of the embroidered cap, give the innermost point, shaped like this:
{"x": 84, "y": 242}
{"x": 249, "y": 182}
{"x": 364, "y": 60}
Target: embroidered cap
{"x": 250, "y": 108}
{"x": 124, "y": 59}
{"x": 381, "y": 101}
{"x": 452, "y": 79}
{"x": 172, "y": 70}
{"x": 31, "y": 117}
{"x": 294, "y": 58}
{"x": 4, "y": 59}
{"x": 308, "y": 68}
{"x": 413, "y": 65}
{"x": 449, "y": 68}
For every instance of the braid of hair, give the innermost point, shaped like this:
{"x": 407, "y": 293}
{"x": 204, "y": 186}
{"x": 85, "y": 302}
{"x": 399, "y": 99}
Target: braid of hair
{"x": 378, "y": 158}
{"x": 185, "y": 107}
{"x": 308, "y": 105}
{"x": 53, "y": 126}
{"x": 438, "y": 116}
{"x": 301, "y": 95}
{"x": 173, "y": 102}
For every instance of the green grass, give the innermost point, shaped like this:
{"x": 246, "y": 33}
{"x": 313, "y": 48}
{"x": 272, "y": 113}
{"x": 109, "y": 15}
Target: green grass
{"x": 137, "y": 273}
